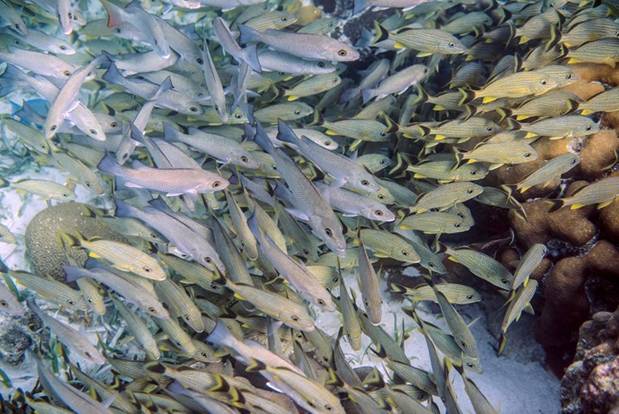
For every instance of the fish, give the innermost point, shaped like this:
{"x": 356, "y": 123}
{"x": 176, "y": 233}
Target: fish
{"x": 561, "y": 127}
{"x": 602, "y": 192}
{"x": 425, "y": 41}
{"x": 446, "y": 170}
{"x": 359, "y": 129}
{"x": 528, "y": 263}
{"x": 70, "y": 337}
{"x": 551, "y": 170}
{"x": 342, "y": 169}
{"x": 513, "y": 152}
{"x": 458, "y": 327}
{"x": 313, "y": 86}
{"x": 48, "y": 190}
{"x": 397, "y": 83}
{"x": 552, "y": 104}
{"x": 354, "y": 204}
{"x": 602, "y": 102}
{"x": 79, "y": 402}
{"x": 122, "y": 256}
{"x": 171, "y": 181}
{"x": 39, "y": 63}
{"x": 128, "y": 288}
{"x": 303, "y": 45}
{"x": 589, "y": 30}
{"x": 9, "y": 303}
{"x": 138, "y": 329}
{"x": 456, "y": 294}
{"x": 273, "y": 61}
{"x": 179, "y": 304}
{"x": 603, "y": 51}
{"x": 226, "y": 40}
{"x": 446, "y": 196}
{"x": 291, "y": 314}
{"x": 351, "y": 324}
{"x": 383, "y": 243}
{"x": 369, "y": 287}
{"x": 482, "y": 266}
{"x": 51, "y": 290}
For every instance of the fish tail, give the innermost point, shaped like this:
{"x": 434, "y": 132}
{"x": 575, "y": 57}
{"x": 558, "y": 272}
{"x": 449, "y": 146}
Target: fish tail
{"x": 469, "y": 111}
{"x": 220, "y": 335}
{"x": 423, "y": 94}
{"x": 248, "y": 34}
{"x": 367, "y": 95}
{"x": 155, "y": 367}
{"x": 503, "y": 113}
{"x": 255, "y": 366}
{"x": 251, "y": 57}
{"x": 286, "y": 134}
{"x": 109, "y": 165}
{"x": 395, "y": 288}
{"x": 359, "y": 6}
{"x": 72, "y": 273}
{"x": 380, "y": 33}
{"x": 465, "y": 96}
{"x": 169, "y": 132}
{"x": 556, "y": 205}
{"x": 114, "y": 13}
{"x": 113, "y": 75}
{"x": 555, "y": 37}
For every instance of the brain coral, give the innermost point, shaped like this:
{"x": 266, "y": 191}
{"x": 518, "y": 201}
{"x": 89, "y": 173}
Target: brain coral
{"x": 43, "y": 244}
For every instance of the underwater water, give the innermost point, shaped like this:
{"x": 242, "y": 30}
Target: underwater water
{"x": 293, "y": 206}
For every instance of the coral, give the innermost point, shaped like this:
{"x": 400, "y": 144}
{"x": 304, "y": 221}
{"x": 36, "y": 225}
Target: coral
{"x": 591, "y": 72}
{"x": 598, "y": 153}
{"x": 609, "y": 221}
{"x": 43, "y": 243}
{"x": 541, "y": 224}
{"x": 584, "y": 89}
{"x": 591, "y": 382}
{"x": 567, "y": 305}
{"x": 14, "y": 338}
{"x": 549, "y": 148}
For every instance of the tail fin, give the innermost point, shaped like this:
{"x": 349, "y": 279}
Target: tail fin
{"x": 286, "y": 134}
{"x": 380, "y": 33}
{"x": 248, "y": 34}
{"x": 250, "y": 53}
{"x": 73, "y": 273}
{"x": 367, "y": 95}
{"x": 556, "y": 205}
{"x": 170, "y": 134}
{"x": 113, "y": 75}
{"x": 465, "y": 96}
{"x": 555, "y": 37}
{"x": 109, "y": 165}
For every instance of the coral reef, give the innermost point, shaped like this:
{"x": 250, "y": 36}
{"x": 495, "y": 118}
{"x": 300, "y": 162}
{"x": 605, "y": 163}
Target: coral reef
{"x": 591, "y": 382}
{"x": 43, "y": 241}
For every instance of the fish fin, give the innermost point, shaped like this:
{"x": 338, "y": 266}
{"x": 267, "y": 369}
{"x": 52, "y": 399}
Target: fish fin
{"x": 330, "y": 132}
{"x": 521, "y": 117}
{"x": 488, "y": 99}
{"x": 530, "y": 135}
{"x": 292, "y": 98}
{"x": 523, "y": 40}
{"x": 605, "y": 203}
{"x": 380, "y": 32}
{"x": 398, "y": 45}
{"x": 251, "y": 57}
{"x": 439, "y": 137}
{"x": 555, "y": 37}
{"x": 586, "y": 112}
{"x": 572, "y": 61}
{"x": 255, "y": 366}
{"x": 438, "y": 108}
{"x": 248, "y": 34}
{"x": 424, "y": 54}
{"x": 359, "y": 6}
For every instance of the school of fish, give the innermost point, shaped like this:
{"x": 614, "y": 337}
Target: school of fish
{"x": 249, "y": 155}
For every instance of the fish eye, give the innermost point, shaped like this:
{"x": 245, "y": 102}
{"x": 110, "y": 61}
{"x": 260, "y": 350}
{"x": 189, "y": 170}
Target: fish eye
{"x": 92, "y": 131}
{"x": 238, "y": 116}
{"x": 342, "y": 52}
{"x": 244, "y": 158}
{"x": 469, "y": 191}
{"x": 365, "y": 183}
{"x": 295, "y": 318}
{"x": 327, "y": 406}
{"x": 543, "y": 82}
{"x": 62, "y": 47}
{"x": 146, "y": 269}
{"x": 65, "y": 194}
{"x": 451, "y": 44}
{"x": 489, "y": 129}
{"x": 3, "y": 303}
{"x": 474, "y": 172}
{"x": 327, "y": 143}
{"x": 457, "y": 225}
{"x": 53, "y": 127}
{"x": 193, "y": 109}
{"x": 118, "y": 30}
{"x": 321, "y": 64}
{"x": 588, "y": 128}
{"x": 89, "y": 300}
{"x": 430, "y": 264}
{"x": 404, "y": 252}
{"x": 297, "y": 111}
{"x": 216, "y": 184}
{"x": 469, "y": 296}
{"x": 88, "y": 185}
{"x": 207, "y": 259}
{"x": 284, "y": 19}
{"x": 329, "y": 232}
{"x": 379, "y": 213}
{"x": 70, "y": 15}
{"x": 381, "y": 197}
{"x": 114, "y": 124}
{"x": 321, "y": 302}
{"x": 526, "y": 154}
{"x": 70, "y": 302}
{"x": 383, "y": 134}
{"x": 151, "y": 309}
{"x": 504, "y": 281}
